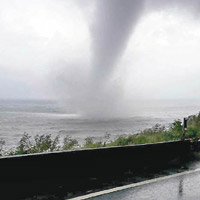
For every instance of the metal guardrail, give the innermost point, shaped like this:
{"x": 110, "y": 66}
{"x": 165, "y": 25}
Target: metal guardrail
{"x": 82, "y": 170}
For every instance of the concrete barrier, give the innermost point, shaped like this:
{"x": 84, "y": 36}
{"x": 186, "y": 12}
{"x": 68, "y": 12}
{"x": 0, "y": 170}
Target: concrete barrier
{"x": 69, "y": 171}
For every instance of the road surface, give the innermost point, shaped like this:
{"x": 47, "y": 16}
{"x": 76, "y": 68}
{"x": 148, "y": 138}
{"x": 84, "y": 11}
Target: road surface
{"x": 182, "y": 186}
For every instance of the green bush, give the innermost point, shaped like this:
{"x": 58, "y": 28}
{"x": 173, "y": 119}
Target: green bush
{"x": 2, "y": 143}
{"x": 89, "y": 143}
{"x": 194, "y": 122}
{"x": 41, "y": 143}
{"x": 70, "y": 144}
{"x": 25, "y": 145}
{"x": 44, "y": 143}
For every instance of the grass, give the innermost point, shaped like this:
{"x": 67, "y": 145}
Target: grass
{"x": 158, "y": 133}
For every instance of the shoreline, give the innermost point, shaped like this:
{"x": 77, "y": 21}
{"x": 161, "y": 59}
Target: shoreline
{"x": 158, "y": 133}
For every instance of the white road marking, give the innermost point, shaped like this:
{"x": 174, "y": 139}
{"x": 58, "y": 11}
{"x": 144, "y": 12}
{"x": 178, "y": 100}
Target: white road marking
{"x": 96, "y": 194}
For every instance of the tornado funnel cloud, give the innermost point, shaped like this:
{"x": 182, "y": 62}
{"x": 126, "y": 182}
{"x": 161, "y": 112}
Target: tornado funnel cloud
{"x": 94, "y": 91}
{"x": 111, "y": 29}
{"x": 110, "y": 33}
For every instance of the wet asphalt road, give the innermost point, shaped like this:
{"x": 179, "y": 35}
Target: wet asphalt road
{"x": 184, "y": 187}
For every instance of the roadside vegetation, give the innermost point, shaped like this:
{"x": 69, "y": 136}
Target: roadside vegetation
{"x": 158, "y": 133}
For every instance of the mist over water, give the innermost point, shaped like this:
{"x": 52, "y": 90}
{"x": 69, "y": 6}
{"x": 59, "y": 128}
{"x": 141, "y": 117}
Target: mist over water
{"x": 91, "y": 88}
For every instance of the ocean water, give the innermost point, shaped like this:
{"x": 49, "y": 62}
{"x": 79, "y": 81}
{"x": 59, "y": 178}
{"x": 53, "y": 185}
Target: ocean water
{"x": 47, "y": 117}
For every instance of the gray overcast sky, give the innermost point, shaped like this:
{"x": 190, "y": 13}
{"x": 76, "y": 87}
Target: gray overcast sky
{"x": 42, "y": 39}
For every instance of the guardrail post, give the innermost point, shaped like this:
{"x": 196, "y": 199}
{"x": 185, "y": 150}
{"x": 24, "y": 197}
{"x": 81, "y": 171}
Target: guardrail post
{"x": 185, "y": 120}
